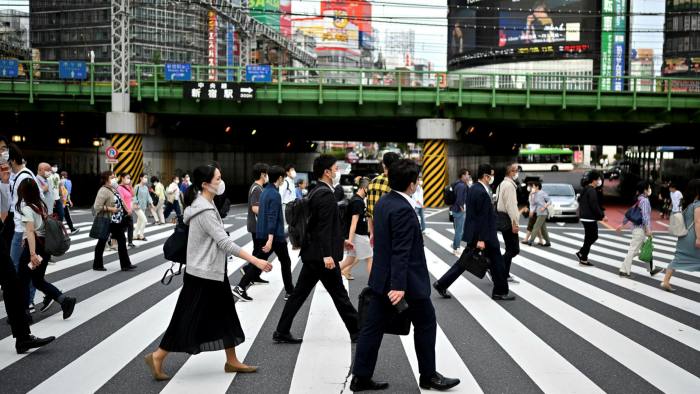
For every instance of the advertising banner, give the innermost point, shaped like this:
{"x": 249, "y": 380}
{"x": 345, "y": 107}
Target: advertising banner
{"x": 286, "y": 17}
{"x": 266, "y": 11}
{"x": 212, "y": 49}
{"x": 500, "y": 31}
{"x": 230, "y": 48}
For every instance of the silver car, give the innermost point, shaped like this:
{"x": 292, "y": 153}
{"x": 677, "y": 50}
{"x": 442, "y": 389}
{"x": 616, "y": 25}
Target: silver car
{"x": 564, "y": 201}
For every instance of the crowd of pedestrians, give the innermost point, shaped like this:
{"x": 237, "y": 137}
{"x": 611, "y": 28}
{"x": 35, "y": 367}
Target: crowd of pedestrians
{"x": 382, "y": 225}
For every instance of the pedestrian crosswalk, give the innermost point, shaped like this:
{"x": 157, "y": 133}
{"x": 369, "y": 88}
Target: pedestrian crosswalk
{"x": 572, "y": 329}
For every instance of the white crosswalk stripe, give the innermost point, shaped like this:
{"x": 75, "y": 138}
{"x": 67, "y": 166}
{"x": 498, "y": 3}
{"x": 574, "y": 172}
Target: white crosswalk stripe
{"x": 322, "y": 363}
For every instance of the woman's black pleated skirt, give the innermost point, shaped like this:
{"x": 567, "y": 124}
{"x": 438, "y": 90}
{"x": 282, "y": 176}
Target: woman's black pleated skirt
{"x": 205, "y": 318}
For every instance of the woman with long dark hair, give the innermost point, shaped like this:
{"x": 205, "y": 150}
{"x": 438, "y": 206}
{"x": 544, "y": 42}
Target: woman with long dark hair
{"x": 205, "y": 316}
{"x": 687, "y": 256}
{"x": 34, "y": 259}
{"x": 110, "y": 205}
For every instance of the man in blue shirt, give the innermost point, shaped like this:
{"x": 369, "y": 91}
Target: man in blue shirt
{"x": 270, "y": 228}
{"x": 457, "y": 209}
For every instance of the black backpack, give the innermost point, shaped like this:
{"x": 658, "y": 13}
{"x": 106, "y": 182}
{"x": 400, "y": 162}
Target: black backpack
{"x": 175, "y": 249}
{"x": 449, "y": 195}
{"x": 57, "y": 240}
{"x": 298, "y": 214}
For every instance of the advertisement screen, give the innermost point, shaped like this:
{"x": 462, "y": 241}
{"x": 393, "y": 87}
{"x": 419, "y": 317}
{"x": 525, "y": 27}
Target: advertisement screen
{"x": 500, "y": 31}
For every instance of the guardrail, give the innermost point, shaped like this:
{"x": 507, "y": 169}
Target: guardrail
{"x": 148, "y": 78}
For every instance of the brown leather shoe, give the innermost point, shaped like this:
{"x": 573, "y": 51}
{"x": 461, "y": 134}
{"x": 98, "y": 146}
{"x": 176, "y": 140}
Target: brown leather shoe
{"x": 157, "y": 375}
{"x": 247, "y": 369}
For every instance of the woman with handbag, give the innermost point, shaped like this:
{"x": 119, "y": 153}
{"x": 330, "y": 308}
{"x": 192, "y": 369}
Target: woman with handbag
{"x": 205, "y": 316}
{"x": 34, "y": 258}
{"x": 687, "y": 256}
{"x": 640, "y": 230}
{"x": 110, "y": 212}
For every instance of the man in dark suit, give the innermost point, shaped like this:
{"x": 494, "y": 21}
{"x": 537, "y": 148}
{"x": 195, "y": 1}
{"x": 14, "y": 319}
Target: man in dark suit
{"x": 321, "y": 255}
{"x": 399, "y": 274}
{"x": 480, "y": 232}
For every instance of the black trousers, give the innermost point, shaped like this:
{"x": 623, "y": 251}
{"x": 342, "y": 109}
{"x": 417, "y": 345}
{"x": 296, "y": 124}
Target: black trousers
{"x": 280, "y": 249}
{"x": 128, "y": 226}
{"x": 422, "y": 316}
{"x": 117, "y": 231}
{"x": 37, "y": 275}
{"x": 512, "y": 249}
{"x": 69, "y": 221}
{"x": 591, "y": 229}
{"x": 13, "y": 294}
{"x": 311, "y": 273}
{"x": 498, "y": 272}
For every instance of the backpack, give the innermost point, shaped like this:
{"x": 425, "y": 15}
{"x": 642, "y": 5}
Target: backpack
{"x": 449, "y": 195}
{"x": 634, "y": 215}
{"x": 57, "y": 240}
{"x": 298, "y": 214}
{"x": 175, "y": 248}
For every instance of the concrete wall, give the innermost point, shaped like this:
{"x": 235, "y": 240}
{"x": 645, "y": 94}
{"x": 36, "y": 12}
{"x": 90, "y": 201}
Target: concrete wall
{"x": 469, "y": 156}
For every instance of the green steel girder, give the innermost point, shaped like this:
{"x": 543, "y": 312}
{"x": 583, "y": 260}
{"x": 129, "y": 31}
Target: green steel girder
{"x": 342, "y": 101}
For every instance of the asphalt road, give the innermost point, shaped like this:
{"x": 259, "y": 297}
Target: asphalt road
{"x": 571, "y": 329}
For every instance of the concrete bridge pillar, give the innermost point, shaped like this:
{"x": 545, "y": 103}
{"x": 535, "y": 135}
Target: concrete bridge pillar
{"x": 435, "y": 133}
{"x": 126, "y": 131}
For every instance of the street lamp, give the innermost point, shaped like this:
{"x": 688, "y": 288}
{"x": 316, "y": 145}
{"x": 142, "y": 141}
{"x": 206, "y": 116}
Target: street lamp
{"x": 96, "y": 142}
{"x": 63, "y": 141}
{"x": 18, "y": 138}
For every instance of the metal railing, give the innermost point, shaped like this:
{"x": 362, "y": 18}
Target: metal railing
{"x": 150, "y": 77}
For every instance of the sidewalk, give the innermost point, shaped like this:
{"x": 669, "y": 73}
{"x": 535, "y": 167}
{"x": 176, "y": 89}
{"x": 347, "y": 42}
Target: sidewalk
{"x": 616, "y": 213}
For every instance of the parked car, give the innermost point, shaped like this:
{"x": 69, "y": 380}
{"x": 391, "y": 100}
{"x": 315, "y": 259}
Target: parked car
{"x": 564, "y": 201}
{"x": 612, "y": 172}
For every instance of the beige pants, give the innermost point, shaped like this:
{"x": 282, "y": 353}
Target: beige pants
{"x": 638, "y": 238}
{"x": 140, "y": 223}
{"x": 159, "y": 210}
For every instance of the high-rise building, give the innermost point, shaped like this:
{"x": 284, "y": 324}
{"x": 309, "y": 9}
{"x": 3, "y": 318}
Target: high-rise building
{"x": 161, "y": 30}
{"x": 399, "y": 48}
{"x": 14, "y": 34}
{"x": 682, "y": 44}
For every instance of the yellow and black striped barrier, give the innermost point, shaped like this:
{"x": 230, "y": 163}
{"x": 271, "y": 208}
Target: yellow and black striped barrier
{"x": 130, "y": 147}
{"x": 434, "y": 172}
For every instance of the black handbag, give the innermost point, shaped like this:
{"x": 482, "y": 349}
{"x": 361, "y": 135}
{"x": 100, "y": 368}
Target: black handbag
{"x": 397, "y": 323}
{"x": 503, "y": 222}
{"x": 100, "y": 228}
{"x": 474, "y": 261}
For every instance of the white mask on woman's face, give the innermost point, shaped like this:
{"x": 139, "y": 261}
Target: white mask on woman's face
{"x": 336, "y": 178}
{"x": 292, "y": 174}
{"x": 219, "y": 189}
{"x": 491, "y": 178}
{"x": 599, "y": 183}
{"x": 114, "y": 182}
{"x": 529, "y": 188}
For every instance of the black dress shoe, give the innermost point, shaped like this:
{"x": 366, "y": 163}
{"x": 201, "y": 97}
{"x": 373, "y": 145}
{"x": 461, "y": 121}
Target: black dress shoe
{"x": 438, "y": 382}
{"x": 362, "y": 384}
{"x": 655, "y": 271}
{"x": 503, "y": 297}
{"x": 99, "y": 268}
{"x": 129, "y": 268}
{"x": 31, "y": 342}
{"x": 285, "y": 338}
{"x": 260, "y": 281}
{"x": 441, "y": 291}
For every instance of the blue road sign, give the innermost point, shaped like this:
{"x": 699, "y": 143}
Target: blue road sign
{"x": 258, "y": 73}
{"x": 72, "y": 70}
{"x": 9, "y": 68}
{"x": 178, "y": 72}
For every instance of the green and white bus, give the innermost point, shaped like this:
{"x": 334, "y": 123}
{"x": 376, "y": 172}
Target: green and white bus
{"x": 546, "y": 159}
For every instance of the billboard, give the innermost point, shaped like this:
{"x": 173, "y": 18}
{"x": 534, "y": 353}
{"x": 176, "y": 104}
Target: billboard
{"x": 613, "y": 44}
{"x": 332, "y": 32}
{"x": 212, "y": 49}
{"x": 286, "y": 17}
{"x": 501, "y": 31}
{"x": 266, "y": 11}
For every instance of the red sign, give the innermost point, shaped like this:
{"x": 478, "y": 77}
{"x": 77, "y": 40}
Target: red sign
{"x": 111, "y": 152}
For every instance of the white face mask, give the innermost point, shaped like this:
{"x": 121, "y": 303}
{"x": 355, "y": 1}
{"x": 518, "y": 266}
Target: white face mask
{"x": 221, "y": 189}
{"x": 516, "y": 176}
{"x": 114, "y": 183}
{"x": 599, "y": 183}
{"x": 647, "y": 192}
{"x": 54, "y": 169}
{"x": 47, "y": 174}
{"x": 336, "y": 178}
{"x": 529, "y": 189}
{"x": 5, "y": 156}
{"x": 491, "y": 179}
{"x": 292, "y": 174}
